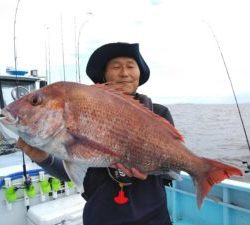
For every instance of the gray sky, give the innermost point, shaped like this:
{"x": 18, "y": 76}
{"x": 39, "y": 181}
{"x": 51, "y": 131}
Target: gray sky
{"x": 177, "y": 44}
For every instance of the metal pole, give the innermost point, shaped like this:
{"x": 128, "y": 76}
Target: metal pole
{"x": 64, "y": 76}
{"x": 15, "y": 51}
{"x": 76, "y": 61}
{"x": 49, "y": 71}
{"x": 78, "y": 45}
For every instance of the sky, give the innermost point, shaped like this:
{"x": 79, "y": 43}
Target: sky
{"x": 174, "y": 36}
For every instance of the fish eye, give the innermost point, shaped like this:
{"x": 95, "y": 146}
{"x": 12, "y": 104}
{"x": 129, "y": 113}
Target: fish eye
{"x": 35, "y": 100}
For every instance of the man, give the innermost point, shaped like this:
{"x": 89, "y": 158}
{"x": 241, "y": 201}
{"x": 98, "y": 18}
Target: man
{"x": 117, "y": 195}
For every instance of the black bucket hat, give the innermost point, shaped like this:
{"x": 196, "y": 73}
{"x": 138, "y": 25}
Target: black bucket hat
{"x": 101, "y": 56}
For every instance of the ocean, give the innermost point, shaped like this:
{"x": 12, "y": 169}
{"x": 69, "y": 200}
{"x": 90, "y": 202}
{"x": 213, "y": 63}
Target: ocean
{"x": 215, "y": 131}
{"x": 209, "y": 130}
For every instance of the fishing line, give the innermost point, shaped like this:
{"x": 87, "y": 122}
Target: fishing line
{"x": 235, "y": 98}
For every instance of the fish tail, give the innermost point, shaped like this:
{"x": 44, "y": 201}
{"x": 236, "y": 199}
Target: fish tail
{"x": 215, "y": 173}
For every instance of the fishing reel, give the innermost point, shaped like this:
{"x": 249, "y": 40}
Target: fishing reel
{"x": 18, "y": 92}
{"x": 247, "y": 165}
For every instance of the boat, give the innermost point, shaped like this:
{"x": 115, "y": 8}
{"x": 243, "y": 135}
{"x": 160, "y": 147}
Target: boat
{"x": 13, "y": 85}
{"x": 45, "y": 200}
{"x": 228, "y": 203}
{"x": 13, "y": 71}
{"x": 41, "y": 201}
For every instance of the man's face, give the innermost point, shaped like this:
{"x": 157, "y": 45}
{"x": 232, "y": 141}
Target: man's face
{"x": 124, "y": 71}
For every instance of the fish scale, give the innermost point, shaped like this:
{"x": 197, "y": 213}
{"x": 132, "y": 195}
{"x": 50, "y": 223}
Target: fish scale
{"x": 97, "y": 126}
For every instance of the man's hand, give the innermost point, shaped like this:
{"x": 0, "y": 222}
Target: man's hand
{"x": 39, "y": 156}
{"x": 130, "y": 172}
{"x": 34, "y": 153}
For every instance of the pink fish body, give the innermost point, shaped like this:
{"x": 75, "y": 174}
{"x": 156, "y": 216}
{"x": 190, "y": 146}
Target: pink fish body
{"x": 96, "y": 126}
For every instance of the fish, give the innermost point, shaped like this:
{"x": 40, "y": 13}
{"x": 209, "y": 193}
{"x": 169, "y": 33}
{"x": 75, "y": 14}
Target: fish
{"x": 99, "y": 126}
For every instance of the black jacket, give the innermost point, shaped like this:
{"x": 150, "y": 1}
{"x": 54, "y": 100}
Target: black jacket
{"x": 146, "y": 205}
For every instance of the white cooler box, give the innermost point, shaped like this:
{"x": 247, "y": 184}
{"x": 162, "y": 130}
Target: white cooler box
{"x": 67, "y": 210}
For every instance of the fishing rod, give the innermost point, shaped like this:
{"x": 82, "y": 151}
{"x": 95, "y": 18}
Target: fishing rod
{"x": 78, "y": 44}
{"x": 78, "y": 49}
{"x": 232, "y": 87}
{"x": 76, "y": 56}
{"x": 47, "y": 55}
{"x": 27, "y": 181}
{"x": 14, "y": 38}
{"x": 63, "y": 61}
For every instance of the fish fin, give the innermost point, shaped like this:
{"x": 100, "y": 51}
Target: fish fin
{"x": 76, "y": 173}
{"x": 115, "y": 89}
{"x": 215, "y": 173}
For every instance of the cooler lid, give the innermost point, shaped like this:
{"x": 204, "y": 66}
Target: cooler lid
{"x": 68, "y": 208}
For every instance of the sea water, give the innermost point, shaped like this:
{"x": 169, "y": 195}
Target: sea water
{"x": 213, "y": 131}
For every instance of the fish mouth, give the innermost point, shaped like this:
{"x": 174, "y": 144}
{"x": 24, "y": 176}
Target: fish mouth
{"x": 7, "y": 118}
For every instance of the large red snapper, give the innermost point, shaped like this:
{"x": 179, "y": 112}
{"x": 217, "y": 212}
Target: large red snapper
{"x": 95, "y": 126}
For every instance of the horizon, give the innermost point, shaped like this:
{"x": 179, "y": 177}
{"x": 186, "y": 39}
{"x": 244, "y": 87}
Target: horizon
{"x": 242, "y": 99}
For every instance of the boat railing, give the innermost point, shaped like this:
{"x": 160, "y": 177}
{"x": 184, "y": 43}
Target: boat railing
{"x": 228, "y": 203}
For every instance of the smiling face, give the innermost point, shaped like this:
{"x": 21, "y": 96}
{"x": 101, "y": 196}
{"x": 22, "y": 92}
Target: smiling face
{"x": 124, "y": 71}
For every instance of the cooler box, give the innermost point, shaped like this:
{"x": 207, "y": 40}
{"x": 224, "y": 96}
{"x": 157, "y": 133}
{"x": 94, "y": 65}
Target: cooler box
{"x": 67, "y": 210}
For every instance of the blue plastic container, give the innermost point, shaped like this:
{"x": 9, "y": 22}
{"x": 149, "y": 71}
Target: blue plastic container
{"x": 16, "y": 72}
